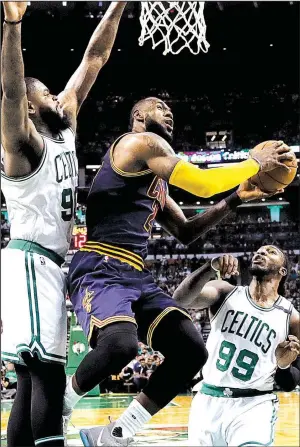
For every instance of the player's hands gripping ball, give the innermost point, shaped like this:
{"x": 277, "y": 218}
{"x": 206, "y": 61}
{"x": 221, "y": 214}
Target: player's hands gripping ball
{"x": 226, "y": 265}
{"x": 287, "y": 351}
{"x": 14, "y": 11}
{"x": 248, "y": 192}
{"x": 273, "y": 155}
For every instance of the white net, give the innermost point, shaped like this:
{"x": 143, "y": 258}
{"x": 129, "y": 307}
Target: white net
{"x": 177, "y": 25}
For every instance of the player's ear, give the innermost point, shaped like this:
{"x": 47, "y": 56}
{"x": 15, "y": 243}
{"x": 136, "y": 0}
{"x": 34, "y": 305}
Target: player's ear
{"x": 139, "y": 116}
{"x": 283, "y": 271}
{"x": 31, "y": 108}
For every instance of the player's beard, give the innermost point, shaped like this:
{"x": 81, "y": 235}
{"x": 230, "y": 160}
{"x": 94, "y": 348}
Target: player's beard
{"x": 155, "y": 127}
{"x": 261, "y": 272}
{"x": 54, "y": 121}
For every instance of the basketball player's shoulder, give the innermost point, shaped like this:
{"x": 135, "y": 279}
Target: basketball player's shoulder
{"x": 69, "y": 135}
{"x": 144, "y": 139}
{"x": 286, "y": 304}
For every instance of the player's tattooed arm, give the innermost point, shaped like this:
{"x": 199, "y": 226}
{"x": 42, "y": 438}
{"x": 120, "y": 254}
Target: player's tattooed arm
{"x": 95, "y": 57}
{"x": 140, "y": 151}
{"x": 148, "y": 150}
{"x": 18, "y": 133}
{"x": 201, "y": 290}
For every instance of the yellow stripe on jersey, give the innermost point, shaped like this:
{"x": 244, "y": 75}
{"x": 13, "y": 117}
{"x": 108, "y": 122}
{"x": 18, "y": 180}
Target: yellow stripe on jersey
{"x": 122, "y": 255}
{"x": 157, "y": 320}
{"x": 95, "y": 322}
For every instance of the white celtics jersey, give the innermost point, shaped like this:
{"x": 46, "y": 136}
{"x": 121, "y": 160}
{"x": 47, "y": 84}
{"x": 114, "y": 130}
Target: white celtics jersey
{"x": 242, "y": 342}
{"x": 41, "y": 206}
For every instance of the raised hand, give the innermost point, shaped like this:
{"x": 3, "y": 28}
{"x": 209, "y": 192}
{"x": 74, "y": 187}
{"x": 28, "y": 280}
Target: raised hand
{"x": 248, "y": 192}
{"x": 14, "y": 11}
{"x": 287, "y": 351}
{"x": 273, "y": 156}
{"x": 227, "y": 265}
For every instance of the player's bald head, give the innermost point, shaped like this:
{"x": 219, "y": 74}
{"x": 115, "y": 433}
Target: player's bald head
{"x": 143, "y": 106}
{"x": 32, "y": 85}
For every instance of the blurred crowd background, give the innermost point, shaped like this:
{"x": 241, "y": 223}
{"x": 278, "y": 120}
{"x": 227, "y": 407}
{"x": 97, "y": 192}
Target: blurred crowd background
{"x": 247, "y": 86}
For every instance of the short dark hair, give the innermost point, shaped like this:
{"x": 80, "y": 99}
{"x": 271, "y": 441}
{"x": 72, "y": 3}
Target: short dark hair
{"x": 140, "y": 104}
{"x": 31, "y": 84}
{"x": 136, "y": 106}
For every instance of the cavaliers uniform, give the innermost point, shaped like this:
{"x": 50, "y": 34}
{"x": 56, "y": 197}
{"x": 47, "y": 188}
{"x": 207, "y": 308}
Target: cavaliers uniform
{"x": 107, "y": 279}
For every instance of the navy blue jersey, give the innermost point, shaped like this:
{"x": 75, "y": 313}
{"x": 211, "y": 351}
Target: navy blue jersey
{"x": 122, "y": 206}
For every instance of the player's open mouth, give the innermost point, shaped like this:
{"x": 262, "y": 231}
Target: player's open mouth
{"x": 258, "y": 260}
{"x": 169, "y": 123}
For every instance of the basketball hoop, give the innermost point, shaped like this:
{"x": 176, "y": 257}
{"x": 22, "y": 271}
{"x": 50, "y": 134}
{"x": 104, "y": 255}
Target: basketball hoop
{"x": 176, "y": 24}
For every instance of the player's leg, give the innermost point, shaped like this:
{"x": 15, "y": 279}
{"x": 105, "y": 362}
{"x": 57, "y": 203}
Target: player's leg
{"x": 255, "y": 425}
{"x": 102, "y": 291}
{"x": 48, "y": 386}
{"x": 116, "y": 345}
{"x": 206, "y": 420}
{"x": 19, "y": 432}
{"x": 174, "y": 332}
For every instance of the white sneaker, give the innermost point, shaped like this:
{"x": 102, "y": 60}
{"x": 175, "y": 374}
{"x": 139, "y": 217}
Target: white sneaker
{"x": 109, "y": 436}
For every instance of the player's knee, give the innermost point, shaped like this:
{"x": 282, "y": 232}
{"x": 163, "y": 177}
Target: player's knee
{"x": 121, "y": 341}
{"x": 125, "y": 347}
{"x": 196, "y": 353}
{"x": 192, "y": 346}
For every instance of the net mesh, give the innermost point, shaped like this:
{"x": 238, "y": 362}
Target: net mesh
{"x": 177, "y": 25}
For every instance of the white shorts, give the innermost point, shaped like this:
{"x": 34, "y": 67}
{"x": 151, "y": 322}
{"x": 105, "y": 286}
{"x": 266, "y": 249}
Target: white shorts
{"x": 238, "y": 422}
{"x": 33, "y": 309}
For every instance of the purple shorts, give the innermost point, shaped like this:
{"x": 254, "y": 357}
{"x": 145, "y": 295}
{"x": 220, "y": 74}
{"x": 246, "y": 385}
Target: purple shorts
{"x": 104, "y": 290}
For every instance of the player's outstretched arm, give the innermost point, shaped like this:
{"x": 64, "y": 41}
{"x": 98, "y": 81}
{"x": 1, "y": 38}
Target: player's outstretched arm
{"x": 18, "y": 133}
{"x": 173, "y": 220}
{"x": 201, "y": 290}
{"x": 148, "y": 149}
{"x": 95, "y": 57}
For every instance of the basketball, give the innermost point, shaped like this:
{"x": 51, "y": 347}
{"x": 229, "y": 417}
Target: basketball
{"x": 277, "y": 179}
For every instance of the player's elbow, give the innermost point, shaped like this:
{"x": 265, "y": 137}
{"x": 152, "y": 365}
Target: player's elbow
{"x": 13, "y": 92}
{"x": 96, "y": 59}
{"x": 183, "y": 297}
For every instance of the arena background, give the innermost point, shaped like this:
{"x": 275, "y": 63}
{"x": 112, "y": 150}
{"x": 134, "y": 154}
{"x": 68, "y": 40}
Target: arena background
{"x": 243, "y": 91}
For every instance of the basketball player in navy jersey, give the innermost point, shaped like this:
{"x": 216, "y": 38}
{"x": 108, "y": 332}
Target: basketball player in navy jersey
{"x": 115, "y": 298}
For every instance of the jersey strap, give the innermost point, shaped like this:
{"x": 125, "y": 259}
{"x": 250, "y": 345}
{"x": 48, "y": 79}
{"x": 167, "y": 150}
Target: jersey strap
{"x": 33, "y": 247}
{"x": 221, "y": 391}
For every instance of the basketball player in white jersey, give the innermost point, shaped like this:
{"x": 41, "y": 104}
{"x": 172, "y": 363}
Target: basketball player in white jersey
{"x": 39, "y": 182}
{"x": 254, "y": 340}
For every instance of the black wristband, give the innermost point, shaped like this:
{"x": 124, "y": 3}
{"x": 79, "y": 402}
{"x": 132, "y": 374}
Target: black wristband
{"x": 12, "y": 23}
{"x": 233, "y": 200}
{"x": 288, "y": 378}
